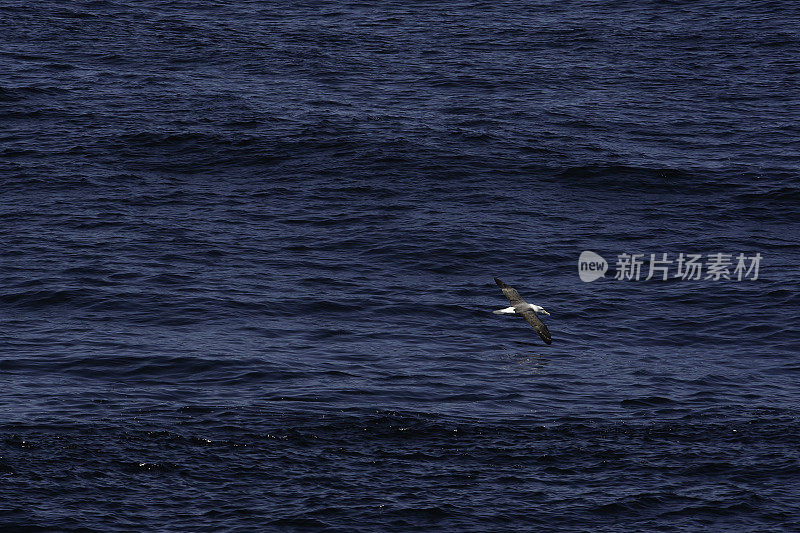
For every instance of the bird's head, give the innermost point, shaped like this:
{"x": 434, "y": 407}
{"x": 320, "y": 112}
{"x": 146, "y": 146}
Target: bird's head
{"x": 540, "y": 309}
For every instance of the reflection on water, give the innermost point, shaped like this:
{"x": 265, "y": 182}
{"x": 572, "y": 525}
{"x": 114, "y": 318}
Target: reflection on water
{"x": 526, "y": 362}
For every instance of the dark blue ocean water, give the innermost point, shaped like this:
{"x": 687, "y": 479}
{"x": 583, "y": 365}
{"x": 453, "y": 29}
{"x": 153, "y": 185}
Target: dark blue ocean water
{"x": 247, "y": 250}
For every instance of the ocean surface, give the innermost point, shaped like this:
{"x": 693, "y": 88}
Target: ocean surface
{"x": 247, "y": 253}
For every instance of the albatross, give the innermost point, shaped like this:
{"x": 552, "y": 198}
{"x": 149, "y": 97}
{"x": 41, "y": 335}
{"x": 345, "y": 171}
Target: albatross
{"x": 522, "y": 308}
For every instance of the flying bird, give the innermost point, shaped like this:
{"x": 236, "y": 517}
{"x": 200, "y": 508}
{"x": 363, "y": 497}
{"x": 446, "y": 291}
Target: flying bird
{"x": 522, "y": 308}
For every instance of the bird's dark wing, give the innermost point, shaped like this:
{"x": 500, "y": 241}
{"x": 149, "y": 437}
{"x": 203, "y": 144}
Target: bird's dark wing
{"x": 510, "y": 292}
{"x": 531, "y": 318}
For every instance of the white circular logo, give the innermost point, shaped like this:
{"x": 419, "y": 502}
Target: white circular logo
{"x": 591, "y": 266}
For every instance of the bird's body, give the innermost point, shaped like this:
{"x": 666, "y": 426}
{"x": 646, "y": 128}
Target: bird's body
{"x": 518, "y": 309}
{"x": 522, "y": 308}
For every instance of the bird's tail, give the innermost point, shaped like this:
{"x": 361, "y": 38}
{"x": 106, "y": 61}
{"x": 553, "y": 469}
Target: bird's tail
{"x": 500, "y": 283}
